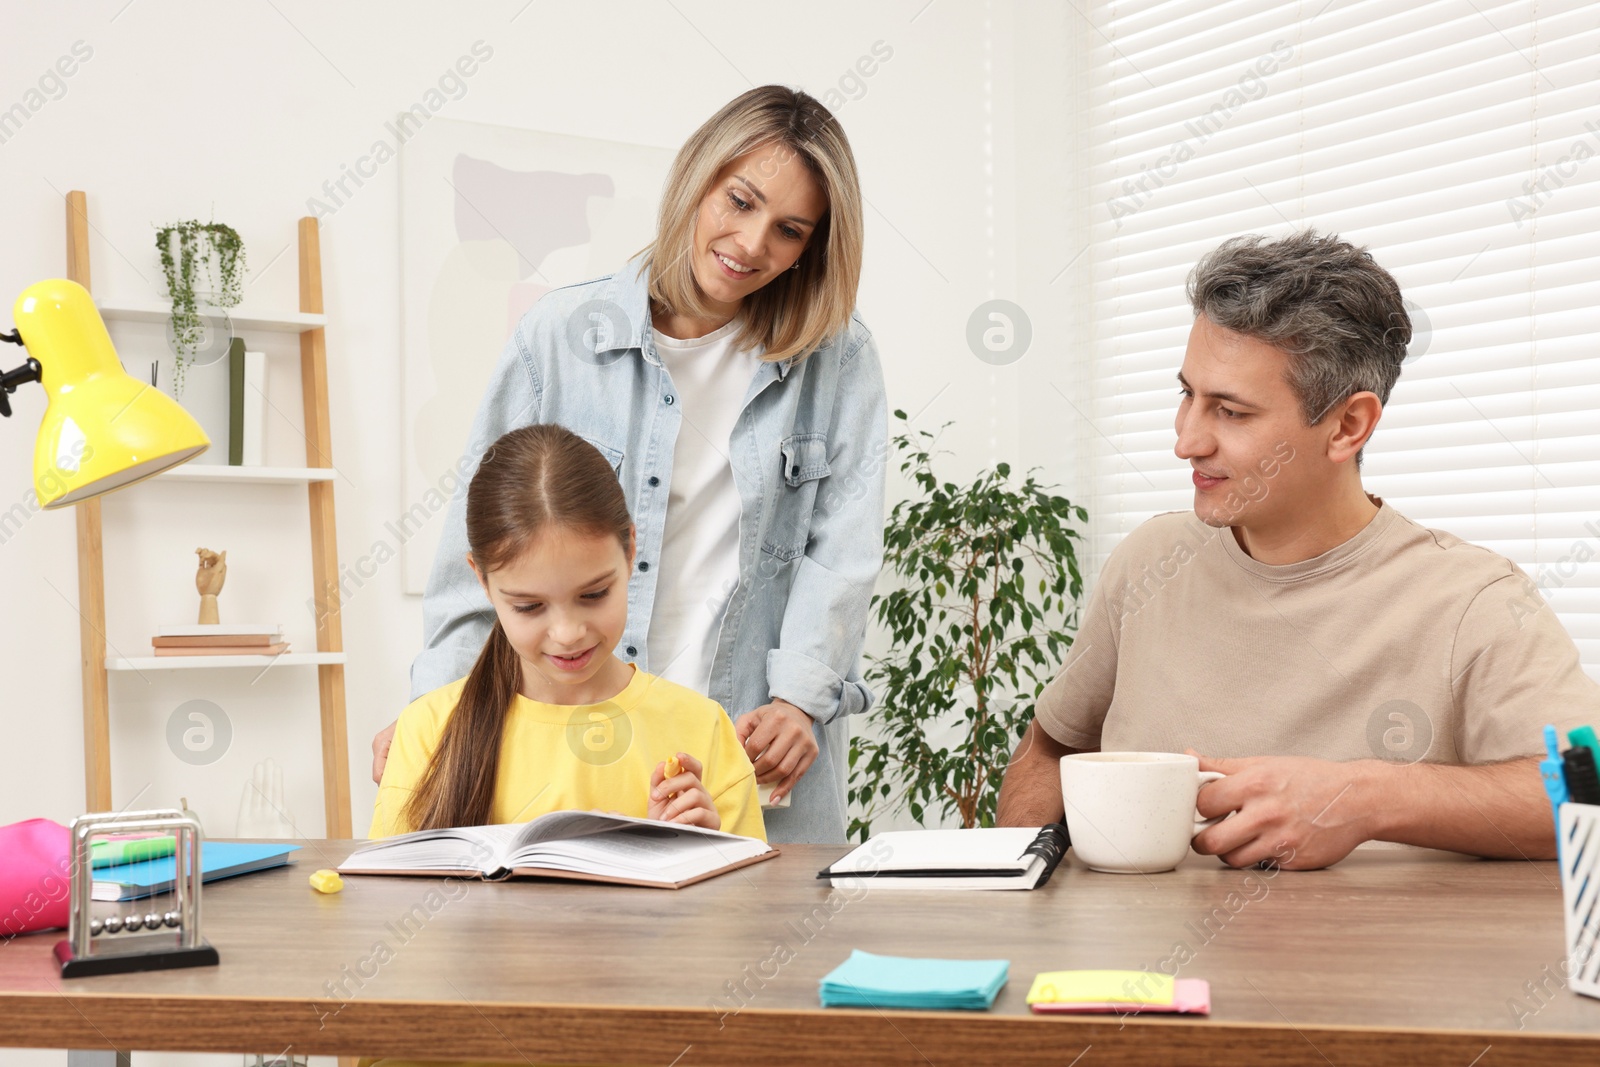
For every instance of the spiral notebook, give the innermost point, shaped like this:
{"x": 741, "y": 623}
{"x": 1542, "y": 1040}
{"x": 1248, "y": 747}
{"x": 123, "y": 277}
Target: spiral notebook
{"x": 999, "y": 858}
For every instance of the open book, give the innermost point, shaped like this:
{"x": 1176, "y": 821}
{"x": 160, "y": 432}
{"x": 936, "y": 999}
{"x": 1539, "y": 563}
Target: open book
{"x": 582, "y": 845}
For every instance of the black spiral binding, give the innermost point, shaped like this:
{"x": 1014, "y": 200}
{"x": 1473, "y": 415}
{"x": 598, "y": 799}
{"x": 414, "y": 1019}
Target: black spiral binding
{"x": 1051, "y": 844}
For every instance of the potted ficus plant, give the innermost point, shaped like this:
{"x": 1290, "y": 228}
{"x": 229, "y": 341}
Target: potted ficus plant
{"x": 186, "y": 248}
{"x": 984, "y": 613}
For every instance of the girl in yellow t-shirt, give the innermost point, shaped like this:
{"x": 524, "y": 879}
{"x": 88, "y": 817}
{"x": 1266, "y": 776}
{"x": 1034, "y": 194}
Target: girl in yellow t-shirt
{"x": 549, "y": 719}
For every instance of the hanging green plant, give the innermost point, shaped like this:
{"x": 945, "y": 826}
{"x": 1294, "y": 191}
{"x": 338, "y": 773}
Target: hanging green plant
{"x": 985, "y": 610}
{"x": 217, "y": 246}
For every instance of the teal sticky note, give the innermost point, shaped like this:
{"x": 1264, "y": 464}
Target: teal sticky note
{"x": 868, "y": 980}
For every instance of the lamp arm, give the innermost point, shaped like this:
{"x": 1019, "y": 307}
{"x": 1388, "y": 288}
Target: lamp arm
{"x": 9, "y": 380}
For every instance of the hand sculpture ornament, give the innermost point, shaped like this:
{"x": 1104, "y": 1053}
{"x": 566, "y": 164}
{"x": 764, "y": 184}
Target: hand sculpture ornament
{"x": 208, "y": 580}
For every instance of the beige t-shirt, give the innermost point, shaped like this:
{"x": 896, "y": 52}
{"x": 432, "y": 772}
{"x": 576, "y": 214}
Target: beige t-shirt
{"x": 1402, "y": 643}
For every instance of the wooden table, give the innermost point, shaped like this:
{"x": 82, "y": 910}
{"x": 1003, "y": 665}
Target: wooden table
{"x": 1390, "y": 957}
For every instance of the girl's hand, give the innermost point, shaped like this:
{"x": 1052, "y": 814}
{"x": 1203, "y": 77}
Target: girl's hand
{"x": 682, "y": 798}
{"x": 779, "y": 740}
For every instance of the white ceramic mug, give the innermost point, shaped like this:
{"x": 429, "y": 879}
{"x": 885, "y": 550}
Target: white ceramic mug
{"x": 1133, "y": 812}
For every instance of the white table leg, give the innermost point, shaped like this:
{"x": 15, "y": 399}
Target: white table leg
{"x": 96, "y": 1058}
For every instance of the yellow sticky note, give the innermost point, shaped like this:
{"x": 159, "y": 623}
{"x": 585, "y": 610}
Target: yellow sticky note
{"x": 1101, "y": 987}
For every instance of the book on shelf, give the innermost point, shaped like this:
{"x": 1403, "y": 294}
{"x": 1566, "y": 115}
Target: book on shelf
{"x": 231, "y": 640}
{"x": 275, "y": 649}
{"x": 583, "y": 846}
{"x": 250, "y": 630}
{"x": 247, "y": 400}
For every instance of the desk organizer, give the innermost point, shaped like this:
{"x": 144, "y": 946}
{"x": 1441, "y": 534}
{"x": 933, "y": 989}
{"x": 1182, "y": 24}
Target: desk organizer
{"x": 1580, "y": 893}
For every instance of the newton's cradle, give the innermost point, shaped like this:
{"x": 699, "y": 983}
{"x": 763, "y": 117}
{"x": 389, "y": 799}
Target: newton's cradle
{"x": 156, "y": 940}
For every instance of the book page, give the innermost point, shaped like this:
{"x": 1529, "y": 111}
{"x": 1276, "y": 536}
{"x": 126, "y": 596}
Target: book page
{"x": 992, "y": 849}
{"x": 561, "y": 824}
{"x": 473, "y": 848}
{"x": 644, "y": 850}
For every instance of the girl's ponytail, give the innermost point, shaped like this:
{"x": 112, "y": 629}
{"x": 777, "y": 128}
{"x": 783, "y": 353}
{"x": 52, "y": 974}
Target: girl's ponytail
{"x": 458, "y": 787}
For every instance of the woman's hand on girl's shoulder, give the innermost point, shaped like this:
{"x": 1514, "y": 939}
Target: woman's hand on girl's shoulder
{"x": 682, "y": 797}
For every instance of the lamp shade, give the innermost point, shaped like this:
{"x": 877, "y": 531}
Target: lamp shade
{"x": 103, "y": 429}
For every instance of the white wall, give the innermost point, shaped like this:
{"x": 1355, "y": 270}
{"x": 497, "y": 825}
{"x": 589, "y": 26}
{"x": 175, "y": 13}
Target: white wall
{"x": 244, "y": 123}
{"x": 240, "y": 113}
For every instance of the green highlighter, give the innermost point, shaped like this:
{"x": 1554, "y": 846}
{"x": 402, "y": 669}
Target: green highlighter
{"x": 114, "y": 851}
{"x": 1584, "y": 735}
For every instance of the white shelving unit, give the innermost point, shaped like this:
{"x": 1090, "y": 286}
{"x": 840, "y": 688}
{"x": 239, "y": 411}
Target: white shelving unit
{"x": 179, "y": 663}
{"x": 192, "y": 472}
{"x": 317, "y": 478}
{"x": 242, "y": 318}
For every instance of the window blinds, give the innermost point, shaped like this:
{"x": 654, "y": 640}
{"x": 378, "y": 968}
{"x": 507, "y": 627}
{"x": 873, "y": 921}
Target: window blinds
{"x": 1459, "y": 141}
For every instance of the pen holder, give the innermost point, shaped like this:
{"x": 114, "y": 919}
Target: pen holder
{"x": 1579, "y": 829}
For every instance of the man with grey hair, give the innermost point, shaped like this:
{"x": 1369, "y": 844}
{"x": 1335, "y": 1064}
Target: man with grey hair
{"x": 1355, "y": 675}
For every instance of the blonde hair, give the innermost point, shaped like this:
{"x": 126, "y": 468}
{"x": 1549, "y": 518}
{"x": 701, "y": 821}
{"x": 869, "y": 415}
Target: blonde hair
{"x": 794, "y": 314}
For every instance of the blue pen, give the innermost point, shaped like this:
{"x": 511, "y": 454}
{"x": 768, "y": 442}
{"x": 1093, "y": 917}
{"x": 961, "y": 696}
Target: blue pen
{"x": 1555, "y": 782}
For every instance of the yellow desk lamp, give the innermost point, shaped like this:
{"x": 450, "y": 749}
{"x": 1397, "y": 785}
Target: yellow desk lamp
{"x": 103, "y": 429}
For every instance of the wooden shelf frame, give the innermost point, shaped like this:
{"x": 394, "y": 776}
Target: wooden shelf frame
{"x": 318, "y": 479}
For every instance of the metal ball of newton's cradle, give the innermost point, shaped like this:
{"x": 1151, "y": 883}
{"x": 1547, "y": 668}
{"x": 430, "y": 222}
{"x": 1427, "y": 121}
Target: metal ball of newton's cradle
{"x": 132, "y": 922}
{"x": 112, "y": 924}
{"x": 174, "y": 919}
{"x": 96, "y": 927}
{"x": 152, "y": 921}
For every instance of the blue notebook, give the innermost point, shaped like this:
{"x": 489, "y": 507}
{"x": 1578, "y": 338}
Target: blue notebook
{"x": 868, "y": 981}
{"x": 218, "y": 859}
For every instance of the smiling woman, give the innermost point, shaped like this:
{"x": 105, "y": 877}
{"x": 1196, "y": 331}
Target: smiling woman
{"x": 725, "y": 377}
{"x": 762, "y": 188}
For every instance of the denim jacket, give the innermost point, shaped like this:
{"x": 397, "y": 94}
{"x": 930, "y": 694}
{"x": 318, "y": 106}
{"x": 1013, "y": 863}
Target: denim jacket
{"x": 808, "y": 453}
